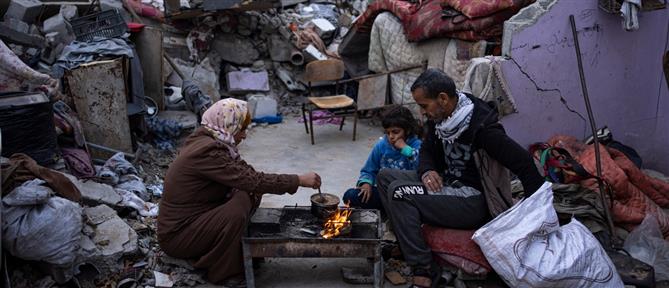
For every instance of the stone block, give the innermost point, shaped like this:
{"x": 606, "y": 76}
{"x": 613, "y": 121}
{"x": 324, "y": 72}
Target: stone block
{"x": 323, "y": 27}
{"x": 94, "y": 193}
{"x": 247, "y": 81}
{"x": 280, "y": 49}
{"x": 24, "y": 10}
{"x": 234, "y": 49}
{"x": 17, "y": 25}
{"x": 56, "y": 23}
{"x": 262, "y": 106}
{"x": 113, "y": 237}
{"x": 110, "y": 240}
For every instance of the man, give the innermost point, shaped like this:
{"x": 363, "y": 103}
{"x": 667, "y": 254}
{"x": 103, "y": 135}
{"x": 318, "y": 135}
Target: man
{"x": 460, "y": 183}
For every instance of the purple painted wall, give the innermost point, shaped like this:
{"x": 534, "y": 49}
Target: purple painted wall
{"x": 623, "y": 71}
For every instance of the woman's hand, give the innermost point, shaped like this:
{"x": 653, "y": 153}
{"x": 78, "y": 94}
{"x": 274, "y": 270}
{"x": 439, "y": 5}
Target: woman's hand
{"x": 432, "y": 181}
{"x": 365, "y": 192}
{"x": 310, "y": 180}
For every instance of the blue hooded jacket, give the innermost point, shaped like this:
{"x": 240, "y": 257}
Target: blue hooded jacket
{"x": 385, "y": 155}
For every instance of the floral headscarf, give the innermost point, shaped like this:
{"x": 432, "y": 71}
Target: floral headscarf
{"x": 226, "y": 118}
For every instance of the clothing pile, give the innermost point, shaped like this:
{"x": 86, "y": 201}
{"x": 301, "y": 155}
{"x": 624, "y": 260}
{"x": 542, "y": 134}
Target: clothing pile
{"x": 635, "y": 194}
{"x": 461, "y": 19}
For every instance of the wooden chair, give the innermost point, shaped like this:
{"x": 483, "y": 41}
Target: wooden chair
{"x": 340, "y": 105}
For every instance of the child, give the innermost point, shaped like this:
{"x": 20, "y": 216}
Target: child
{"x": 397, "y": 149}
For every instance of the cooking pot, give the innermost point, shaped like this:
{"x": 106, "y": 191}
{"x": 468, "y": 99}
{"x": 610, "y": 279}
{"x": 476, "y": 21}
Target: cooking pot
{"x": 323, "y": 205}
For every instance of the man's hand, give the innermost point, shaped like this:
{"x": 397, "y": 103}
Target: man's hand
{"x": 400, "y": 143}
{"x": 310, "y": 180}
{"x": 365, "y": 192}
{"x": 432, "y": 181}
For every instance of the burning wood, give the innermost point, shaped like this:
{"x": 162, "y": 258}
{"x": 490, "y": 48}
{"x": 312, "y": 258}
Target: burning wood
{"x": 337, "y": 224}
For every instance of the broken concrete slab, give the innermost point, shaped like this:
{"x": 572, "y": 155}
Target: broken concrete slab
{"x": 524, "y": 18}
{"x": 247, "y": 81}
{"x": 287, "y": 78}
{"x": 17, "y": 25}
{"x": 323, "y": 27}
{"x": 24, "y": 10}
{"x": 187, "y": 119}
{"x": 107, "y": 240}
{"x": 205, "y": 74}
{"x": 94, "y": 193}
{"x": 279, "y": 48}
{"x": 113, "y": 237}
{"x": 57, "y": 24}
{"x": 234, "y": 49}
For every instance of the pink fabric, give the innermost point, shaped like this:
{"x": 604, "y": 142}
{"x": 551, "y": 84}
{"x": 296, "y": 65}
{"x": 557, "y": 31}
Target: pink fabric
{"x": 78, "y": 162}
{"x": 318, "y": 118}
{"x": 457, "y": 248}
{"x": 423, "y": 20}
{"x": 477, "y": 8}
{"x": 145, "y": 10}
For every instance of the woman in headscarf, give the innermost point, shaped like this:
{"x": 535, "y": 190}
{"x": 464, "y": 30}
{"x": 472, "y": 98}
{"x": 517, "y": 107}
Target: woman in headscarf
{"x": 210, "y": 194}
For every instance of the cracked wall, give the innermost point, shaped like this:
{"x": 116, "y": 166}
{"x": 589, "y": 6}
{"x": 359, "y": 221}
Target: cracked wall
{"x": 623, "y": 71}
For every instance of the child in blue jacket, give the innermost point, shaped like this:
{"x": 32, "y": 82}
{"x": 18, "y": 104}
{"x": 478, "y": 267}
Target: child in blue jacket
{"x": 397, "y": 149}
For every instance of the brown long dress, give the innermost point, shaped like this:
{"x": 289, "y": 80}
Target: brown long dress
{"x": 205, "y": 206}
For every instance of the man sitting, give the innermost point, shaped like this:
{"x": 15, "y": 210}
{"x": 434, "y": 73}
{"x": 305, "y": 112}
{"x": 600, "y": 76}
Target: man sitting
{"x": 458, "y": 183}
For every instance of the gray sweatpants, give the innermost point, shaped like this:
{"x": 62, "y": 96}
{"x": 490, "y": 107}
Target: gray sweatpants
{"x": 409, "y": 205}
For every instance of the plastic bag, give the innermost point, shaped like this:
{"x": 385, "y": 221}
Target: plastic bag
{"x": 646, "y": 243}
{"x": 527, "y": 247}
{"x": 47, "y": 230}
{"x": 146, "y": 209}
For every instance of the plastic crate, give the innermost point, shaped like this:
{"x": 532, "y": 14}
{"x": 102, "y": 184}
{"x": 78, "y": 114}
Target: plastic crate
{"x": 106, "y": 24}
{"x": 613, "y": 6}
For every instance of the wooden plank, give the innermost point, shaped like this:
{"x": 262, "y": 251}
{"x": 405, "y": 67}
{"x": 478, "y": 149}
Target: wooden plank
{"x": 99, "y": 93}
{"x": 373, "y": 92}
{"x": 149, "y": 46}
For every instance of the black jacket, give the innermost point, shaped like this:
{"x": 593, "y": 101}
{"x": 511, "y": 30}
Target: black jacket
{"x": 484, "y": 132}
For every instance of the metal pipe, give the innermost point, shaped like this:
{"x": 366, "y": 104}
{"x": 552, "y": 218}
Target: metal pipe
{"x": 296, "y": 58}
{"x": 110, "y": 150}
{"x": 593, "y": 126}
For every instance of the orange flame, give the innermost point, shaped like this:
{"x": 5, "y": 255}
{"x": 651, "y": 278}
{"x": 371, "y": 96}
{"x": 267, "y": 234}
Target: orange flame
{"x": 337, "y": 222}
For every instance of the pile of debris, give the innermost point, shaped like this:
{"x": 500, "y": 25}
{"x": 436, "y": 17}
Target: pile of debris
{"x": 260, "y": 55}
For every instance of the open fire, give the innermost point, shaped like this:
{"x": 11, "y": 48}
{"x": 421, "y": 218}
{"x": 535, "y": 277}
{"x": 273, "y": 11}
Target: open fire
{"x": 338, "y": 223}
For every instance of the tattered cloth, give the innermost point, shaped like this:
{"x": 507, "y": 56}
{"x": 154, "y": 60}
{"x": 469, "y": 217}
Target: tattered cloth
{"x": 457, "y": 248}
{"x": 424, "y": 20}
{"x": 635, "y": 194}
{"x": 22, "y": 168}
{"x": 478, "y": 8}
